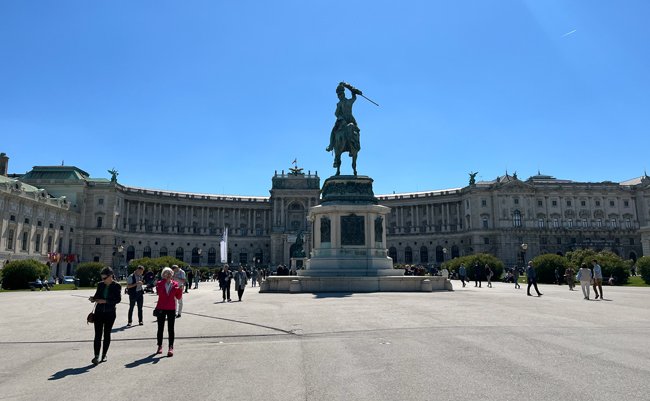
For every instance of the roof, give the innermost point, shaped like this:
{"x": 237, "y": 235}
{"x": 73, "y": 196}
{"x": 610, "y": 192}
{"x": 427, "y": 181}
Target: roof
{"x": 56, "y": 173}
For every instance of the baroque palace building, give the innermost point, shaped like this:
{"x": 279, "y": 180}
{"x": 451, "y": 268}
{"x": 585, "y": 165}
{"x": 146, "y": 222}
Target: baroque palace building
{"x": 61, "y": 214}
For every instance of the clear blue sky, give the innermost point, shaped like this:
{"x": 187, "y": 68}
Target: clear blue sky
{"x": 214, "y": 96}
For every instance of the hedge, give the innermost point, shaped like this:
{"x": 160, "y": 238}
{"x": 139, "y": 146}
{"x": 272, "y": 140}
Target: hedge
{"x": 155, "y": 264}
{"x": 19, "y": 273}
{"x": 643, "y": 267}
{"x": 482, "y": 258}
{"x": 545, "y": 266}
{"x": 88, "y": 273}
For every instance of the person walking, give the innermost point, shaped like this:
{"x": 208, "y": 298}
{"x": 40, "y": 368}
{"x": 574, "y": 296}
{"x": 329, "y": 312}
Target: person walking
{"x": 584, "y": 276}
{"x": 224, "y": 277}
{"x": 515, "y": 277}
{"x": 598, "y": 279}
{"x": 488, "y": 274}
{"x": 532, "y": 279}
{"x": 190, "y": 277}
{"x": 462, "y": 272}
{"x": 136, "y": 293}
{"x": 107, "y": 296}
{"x": 169, "y": 291}
{"x": 477, "y": 275}
{"x": 254, "y": 276}
{"x": 569, "y": 277}
{"x": 241, "y": 279}
{"x": 197, "y": 278}
{"x": 181, "y": 278}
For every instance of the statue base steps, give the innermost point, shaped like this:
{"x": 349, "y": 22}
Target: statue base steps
{"x": 302, "y": 284}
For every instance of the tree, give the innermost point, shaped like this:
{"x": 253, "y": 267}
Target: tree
{"x": 611, "y": 264}
{"x": 88, "y": 273}
{"x": 482, "y": 258}
{"x": 19, "y": 273}
{"x": 643, "y": 266}
{"x": 546, "y": 264}
{"x": 155, "y": 264}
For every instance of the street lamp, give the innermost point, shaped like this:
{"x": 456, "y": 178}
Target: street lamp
{"x": 523, "y": 247}
{"x": 199, "y": 252}
{"x": 444, "y": 254}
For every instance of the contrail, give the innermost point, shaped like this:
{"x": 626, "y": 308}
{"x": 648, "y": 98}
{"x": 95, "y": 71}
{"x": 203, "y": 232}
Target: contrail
{"x": 569, "y": 33}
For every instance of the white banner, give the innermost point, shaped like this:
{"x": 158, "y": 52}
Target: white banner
{"x": 224, "y": 246}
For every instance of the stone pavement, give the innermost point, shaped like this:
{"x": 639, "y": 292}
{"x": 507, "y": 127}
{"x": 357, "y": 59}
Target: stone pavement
{"x": 469, "y": 344}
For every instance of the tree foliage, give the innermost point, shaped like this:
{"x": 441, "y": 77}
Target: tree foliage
{"x": 546, "y": 264}
{"x": 482, "y": 258}
{"x": 19, "y": 273}
{"x": 155, "y": 264}
{"x": 611, "y": 264}
{"x": 643, "y": 267}
{"x": 88, "y": 273}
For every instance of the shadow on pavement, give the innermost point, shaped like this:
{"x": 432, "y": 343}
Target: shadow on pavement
{"x": 147, "y": 359}
{"x": 70, "y": 372}
{"x": 332, "y": 295}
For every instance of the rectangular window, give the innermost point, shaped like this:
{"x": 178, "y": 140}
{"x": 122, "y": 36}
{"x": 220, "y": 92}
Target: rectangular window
{"x": 611, "y": 203}
{"x": 39, "y": 223}
{"x": 556, "y": 223}
{"x": 599, "y": 223}
{"x": 570, "y": 223}
{"x": 12, "y": 218}
{"x": 23, "y": 247}
{"x": 583, "y": 203}
{"x": 26, "y": 220}
{"x": 483, "y": 202}
{"x": 37, "y": 243}
{"x": 626, "y": 203}
{"x": 100, "y": 201}
{"x": 543, "y": 240}
{"x": 540, "y": 223}
{"x": 49, "y": 243}
{"x": 558, "y": 240}
{"x": 10, "y": 239}
{"x": 597, "y": 203}
{"x": 485, "y": 224}
{"x": 554, "y": 203}
{"x": 516, "y": 201}
{"x": 613, "y": 223}
{"x": 568, "y": 203}
{"x": 628, "y": 223}
{"x": 99, "y": 222}
{"x": 51, "y": 225}
{"x": 486, "y": 241}
{"x": 540, "y": 203}
{"x": 98, "y": 241}
{"x": 631, "y": 241}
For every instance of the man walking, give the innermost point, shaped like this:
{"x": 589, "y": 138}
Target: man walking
{"x": 477, "y": 275}
{"x": 462, "y": 272}
{"x": 515, "y": 276}
{"x": 241, "y": 279}
{"x": 532, "y": 279}
{"x": 136, "y": 293}
{"x": 181, "y": 279}
{"x": 598, "y": 279}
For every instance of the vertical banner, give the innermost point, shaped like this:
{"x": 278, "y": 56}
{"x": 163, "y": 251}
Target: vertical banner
{"x": 224, "y": 246}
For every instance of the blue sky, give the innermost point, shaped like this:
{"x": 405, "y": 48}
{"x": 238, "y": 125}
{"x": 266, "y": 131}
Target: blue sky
{"x": 214, "y": 96}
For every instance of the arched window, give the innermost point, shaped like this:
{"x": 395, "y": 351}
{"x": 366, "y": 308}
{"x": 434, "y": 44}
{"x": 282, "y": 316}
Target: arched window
{"x": 100, "y": 220}
{"x": 243, "y": 258}
{"x": 440, "y": 255}
{"x": 633, "y": 256}
{"x": 163, "y": 251}
{"x": 212, "y": 256}
{"x": 259, "y": 257}
{"x": 516, "y": 219}
{"x": 408, "y": 255}
{"x": 180, "y": 253}
{"x": 146, "y": 253}
{"x": 424, "y": 254}
{"x": 130, "y": 253}
{"x": 455, "y": 252}
{"x": 196, "y": 256}
{"x": 392, "y": 253}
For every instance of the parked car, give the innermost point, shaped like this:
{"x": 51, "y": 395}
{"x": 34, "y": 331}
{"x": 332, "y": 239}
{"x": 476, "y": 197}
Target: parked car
{"x": 68, "y": 279}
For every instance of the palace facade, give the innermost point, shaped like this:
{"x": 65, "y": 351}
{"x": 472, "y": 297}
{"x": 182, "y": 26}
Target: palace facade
{"x": 61, "y": 210}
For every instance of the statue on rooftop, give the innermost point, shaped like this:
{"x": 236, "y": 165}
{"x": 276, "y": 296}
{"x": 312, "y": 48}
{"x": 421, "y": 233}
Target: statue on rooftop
{"x": 472, "y": 178}
{"x": 114, "y": 173}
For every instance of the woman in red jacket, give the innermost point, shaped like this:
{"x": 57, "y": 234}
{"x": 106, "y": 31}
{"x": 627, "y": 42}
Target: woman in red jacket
{"x": 168, "y": 292}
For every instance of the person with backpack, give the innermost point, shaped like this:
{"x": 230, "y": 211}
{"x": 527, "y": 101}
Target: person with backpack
{"x": 136, "y": 293}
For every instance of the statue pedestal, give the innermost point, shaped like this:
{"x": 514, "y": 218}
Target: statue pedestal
{"x": 349, "y": 246}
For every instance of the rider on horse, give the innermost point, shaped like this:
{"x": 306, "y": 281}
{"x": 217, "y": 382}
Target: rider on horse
{"x": 345, "y": 133}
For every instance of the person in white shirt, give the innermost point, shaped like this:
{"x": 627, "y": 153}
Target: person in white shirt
{"x": 598, "y": 279}
{"x": 181, "y": 279}
{"x": 584, "y": 276}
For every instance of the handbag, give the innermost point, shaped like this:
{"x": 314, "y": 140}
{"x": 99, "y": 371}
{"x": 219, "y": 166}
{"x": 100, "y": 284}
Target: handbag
{"x": 156, "y": 312}
{"x": 91, "y": 316}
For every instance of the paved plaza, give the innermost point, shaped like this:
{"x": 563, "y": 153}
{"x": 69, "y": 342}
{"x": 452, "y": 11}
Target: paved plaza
{"x": 469, "y": 344}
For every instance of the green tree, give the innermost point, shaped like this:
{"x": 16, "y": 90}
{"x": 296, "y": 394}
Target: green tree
{"x": 546, "y": 264}
{"x": 88, "y": 273}
{"x": 482, "y": 258}
{"x": 643, "y": 267}
{"x": 155, "y": 264}
{"x": 611, "y": 264}
{"x": 19, "y": 273}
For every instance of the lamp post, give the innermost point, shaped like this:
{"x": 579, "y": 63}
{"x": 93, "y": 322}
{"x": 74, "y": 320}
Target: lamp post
{"x": 199, "y": 251}
{"x": 118, "y": 251}
{"x": 444, "y": 255}
{"x": 524, "y": 248}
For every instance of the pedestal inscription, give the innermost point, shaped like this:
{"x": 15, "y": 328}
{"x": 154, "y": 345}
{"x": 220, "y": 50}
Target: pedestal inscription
{"x": 352, "y": 230}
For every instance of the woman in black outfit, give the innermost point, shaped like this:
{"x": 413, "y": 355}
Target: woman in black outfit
{"x": 107, "y": 296}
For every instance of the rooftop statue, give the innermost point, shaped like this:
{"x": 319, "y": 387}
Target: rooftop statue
{"x": 345, "y": 133}
{"x": 114, "y": 173}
